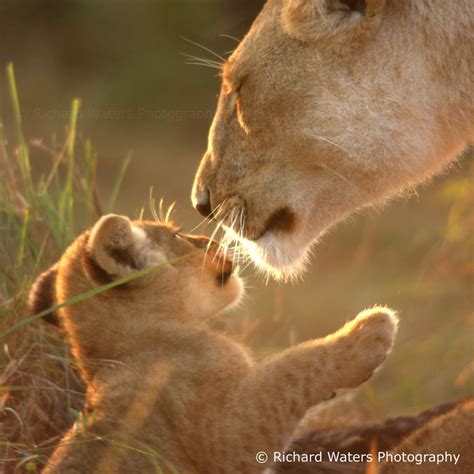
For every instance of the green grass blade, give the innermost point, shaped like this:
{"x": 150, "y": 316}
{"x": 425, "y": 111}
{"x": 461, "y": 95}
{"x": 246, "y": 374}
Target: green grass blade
{"x": 66, "y": 207}
{"x": 76, "y": 105}
{"x": 88, "y": 181}
{"x": 23, "y": 148}
{"x": 23, "y": 239}
{"x": 3, "y": 140}
{"x": 118, "y": 182}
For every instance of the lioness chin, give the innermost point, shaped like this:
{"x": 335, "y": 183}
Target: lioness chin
{"x": 328, "y": 106}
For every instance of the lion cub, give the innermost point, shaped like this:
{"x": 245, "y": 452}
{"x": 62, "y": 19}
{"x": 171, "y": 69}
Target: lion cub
{"x": 165, "y": 393}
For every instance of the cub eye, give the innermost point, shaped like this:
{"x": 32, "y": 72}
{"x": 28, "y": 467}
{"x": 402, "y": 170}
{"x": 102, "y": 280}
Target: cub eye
{"x": 177, "y": 235}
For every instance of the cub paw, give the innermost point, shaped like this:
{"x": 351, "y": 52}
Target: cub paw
{"x": 368, "y": 339}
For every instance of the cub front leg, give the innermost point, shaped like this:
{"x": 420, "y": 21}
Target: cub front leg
{"x": 310, "y": 372}
{"x": 274, "y": 397}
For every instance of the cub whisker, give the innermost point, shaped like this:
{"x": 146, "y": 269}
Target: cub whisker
{"x": 169, "y": 212}
{"x": 152, "y": 205}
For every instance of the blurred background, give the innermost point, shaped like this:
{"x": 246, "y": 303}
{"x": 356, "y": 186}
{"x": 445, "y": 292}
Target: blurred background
{"x": 124, "y": 60}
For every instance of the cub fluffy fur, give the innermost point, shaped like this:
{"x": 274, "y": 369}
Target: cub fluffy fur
{"x": 328, "y": 106}
{"x": 163, "y": 389}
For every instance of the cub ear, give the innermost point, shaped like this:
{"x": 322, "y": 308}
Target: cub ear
{"x": 311, "y": 19}
{"x": 43, "y": 295}
{"x": 117, "y": 248}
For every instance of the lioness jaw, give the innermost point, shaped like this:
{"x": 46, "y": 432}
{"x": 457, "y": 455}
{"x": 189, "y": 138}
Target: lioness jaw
{"x": 331, "y": 106}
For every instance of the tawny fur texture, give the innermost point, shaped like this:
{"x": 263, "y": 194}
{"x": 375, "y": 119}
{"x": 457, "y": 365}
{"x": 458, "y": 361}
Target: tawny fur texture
{"x": 451, "y": 433}
{"x": 329, "y": 106}
{"x": 165, "y": 390}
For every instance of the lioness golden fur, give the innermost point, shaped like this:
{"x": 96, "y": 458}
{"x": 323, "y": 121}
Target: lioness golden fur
{"x": 328, "y": 106}
{"x": 165, "y": 391}
{"x": 452, "y": 433}
{"x": 447, "y": 428}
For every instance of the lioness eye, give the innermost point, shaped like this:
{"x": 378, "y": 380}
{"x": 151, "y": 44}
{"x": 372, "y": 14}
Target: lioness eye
{"x": 240, "y": 116}
{"x": 230, "y": 88}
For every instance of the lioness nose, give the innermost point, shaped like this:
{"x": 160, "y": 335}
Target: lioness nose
{"x": 203, "y": 203}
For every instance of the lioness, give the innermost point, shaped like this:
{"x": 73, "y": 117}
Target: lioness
{"x": 436, "y": 441}
{"x": 328, "y": 106}
{"x": 451, "y": 433}
{"x": 165, "y": 392}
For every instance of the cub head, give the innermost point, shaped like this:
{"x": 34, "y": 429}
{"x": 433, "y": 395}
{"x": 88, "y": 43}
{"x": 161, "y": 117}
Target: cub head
{"x": 322, "y": 111}
{"x": 191, "y": 278}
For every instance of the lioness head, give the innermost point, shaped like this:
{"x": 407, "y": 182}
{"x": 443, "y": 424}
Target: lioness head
{"x": 327, "y": 106}
{"x": 192, "y": 280}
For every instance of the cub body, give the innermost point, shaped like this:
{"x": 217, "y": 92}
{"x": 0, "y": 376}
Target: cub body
{"x": 163, "y": 390}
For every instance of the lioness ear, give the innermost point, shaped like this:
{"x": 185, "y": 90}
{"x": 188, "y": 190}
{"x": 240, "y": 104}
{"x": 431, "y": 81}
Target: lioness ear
{"x": 117, "y": 248}
{"x": 310, "y": 19}
{"x": 43, "y": 295}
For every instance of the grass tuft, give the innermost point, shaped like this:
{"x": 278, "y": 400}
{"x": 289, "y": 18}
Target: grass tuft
{"x": 40, "y": 213}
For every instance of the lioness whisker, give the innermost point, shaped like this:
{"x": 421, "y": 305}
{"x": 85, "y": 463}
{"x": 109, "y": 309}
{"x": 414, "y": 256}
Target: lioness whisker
{"x": 218, "y": 226}
{"x": 323, "y": 165}
{"x": 247, "y": 263}
{"x": 231, "y": 241}
{"x": 235, "y": 253}
{"x": 224, "y": 243}
{"x": 241, "y": 236}
{"x": 206, "y": 219}
{"x": 223, "y": 249}
{"x": 205, "y": 48}
{"x": 241, "y": 230}
{"x": 201, "y": 60}
{"x": 230, "y": 37}
{"x": 190, "y": 63}
{"x": 239, "y": 233}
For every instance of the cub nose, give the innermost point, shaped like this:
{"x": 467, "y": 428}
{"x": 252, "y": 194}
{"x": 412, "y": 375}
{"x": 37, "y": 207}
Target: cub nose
{"x": 203, "y": 203}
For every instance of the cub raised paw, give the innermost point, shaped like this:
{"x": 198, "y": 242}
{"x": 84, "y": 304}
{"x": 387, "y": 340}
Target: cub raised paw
{"x": 365, "y": 342}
